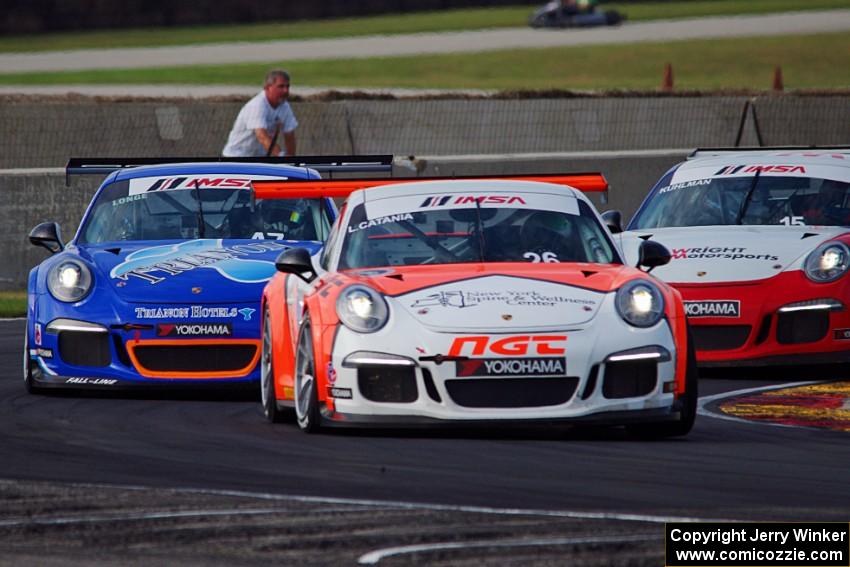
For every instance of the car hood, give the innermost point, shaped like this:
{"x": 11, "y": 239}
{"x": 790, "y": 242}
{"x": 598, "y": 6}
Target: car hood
{"x": 530, "y": 297}
{"x": 713, "y": 254}
{"x": 194, "y": 270}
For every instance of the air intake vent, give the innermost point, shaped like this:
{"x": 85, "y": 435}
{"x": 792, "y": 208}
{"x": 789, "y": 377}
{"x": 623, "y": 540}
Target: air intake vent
{"x": 801, "y": 327}
{"x": 194, "y": 357}
{"x": 630, "y": 379}
{"x": 390, "y": 384}
{"x": 511, "y": 392}
{"x": 720, "y": 337}
{"x": 84, "y": 349}
{"x": 430, "y": 387}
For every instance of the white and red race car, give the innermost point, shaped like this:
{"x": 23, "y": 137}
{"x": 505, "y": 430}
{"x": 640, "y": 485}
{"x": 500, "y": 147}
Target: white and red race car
{"x": 472, "y": 301}
{"x": 760, "y": 243}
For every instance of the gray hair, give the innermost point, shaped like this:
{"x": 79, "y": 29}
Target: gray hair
{"x": 275, "y": 74}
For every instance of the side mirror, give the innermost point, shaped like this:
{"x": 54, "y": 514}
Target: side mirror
{"x": 652, "y": 255}
{"x": 296, "y": 261}
{"x": 47, "y": 234}
{"x": 614, "y": 221}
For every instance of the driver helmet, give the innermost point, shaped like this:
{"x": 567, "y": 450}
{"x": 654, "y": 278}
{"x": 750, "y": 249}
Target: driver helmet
{"x": 279, "y": 215}
{"x": 547, "y": 229}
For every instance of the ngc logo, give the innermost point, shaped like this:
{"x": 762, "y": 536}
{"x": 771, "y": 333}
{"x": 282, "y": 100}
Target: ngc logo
{"x": 519, "y": 345}
{"x": 194, "y": 330}
{"x": 718, "y": 308}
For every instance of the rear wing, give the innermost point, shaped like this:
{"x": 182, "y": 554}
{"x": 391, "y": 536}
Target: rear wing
{"x": 340, "y": 188}
{"x": 325, "y": 164}
{"x": 717, "y": 152}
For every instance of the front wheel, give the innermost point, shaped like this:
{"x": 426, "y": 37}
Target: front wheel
{"x": 688, "y": 412}
{"x": 267, "y": 392}
{"x": 29, "y": 381}
{"x": 306, "y": 395}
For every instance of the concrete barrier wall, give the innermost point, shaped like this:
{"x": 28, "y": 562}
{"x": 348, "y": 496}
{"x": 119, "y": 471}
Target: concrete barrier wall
{"x": 784, "y": 121}
{"x": 449, "y": 127}
{"x": 45, "y": 133}
{"x": 28, "y": 198}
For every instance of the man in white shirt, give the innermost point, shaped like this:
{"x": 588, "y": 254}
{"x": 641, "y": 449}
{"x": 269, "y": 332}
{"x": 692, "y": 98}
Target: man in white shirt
{"x": 263, "y": 121}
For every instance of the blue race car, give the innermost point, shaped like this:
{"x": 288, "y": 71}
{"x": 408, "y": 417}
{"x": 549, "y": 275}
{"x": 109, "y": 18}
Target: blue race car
{"x": 161, "y": 284}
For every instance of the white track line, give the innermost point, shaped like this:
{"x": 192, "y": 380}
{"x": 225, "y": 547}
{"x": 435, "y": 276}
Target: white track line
{"x": 135, "y": 517}
{"x": 142, "y": 516}
{"x": 455, "y": 508}
{"x": 374, "y": 557}
{"x": 392, "y": 505}
{"x": 703, "y": 401}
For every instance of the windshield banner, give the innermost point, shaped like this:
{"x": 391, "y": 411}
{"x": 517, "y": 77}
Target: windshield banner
{"x": 141, "y": 185}
{"x": 469, "y": 200}
{"x": 721, "y": 170}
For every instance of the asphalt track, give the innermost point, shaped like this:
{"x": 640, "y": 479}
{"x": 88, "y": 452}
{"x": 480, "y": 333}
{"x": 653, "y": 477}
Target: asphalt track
{"x": 205, "y": 480}
{"x": 428, "y": 43}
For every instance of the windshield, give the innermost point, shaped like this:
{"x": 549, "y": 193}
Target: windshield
{"x": 752, "y": 200}
{"x": 475, "y": 234}
{"x": 118, "y": 215}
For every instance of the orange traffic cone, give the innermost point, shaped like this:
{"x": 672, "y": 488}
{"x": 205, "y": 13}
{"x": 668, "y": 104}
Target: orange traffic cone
{"x": 667, "y": 82}
{"x": 777, "y": 79}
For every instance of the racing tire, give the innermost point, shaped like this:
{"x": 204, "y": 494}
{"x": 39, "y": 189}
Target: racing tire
{"x": 614, "y": 18}
{"x": 267, "y": 391}
{"x": 688, "y": 412}
{"x": 306, "y": 395}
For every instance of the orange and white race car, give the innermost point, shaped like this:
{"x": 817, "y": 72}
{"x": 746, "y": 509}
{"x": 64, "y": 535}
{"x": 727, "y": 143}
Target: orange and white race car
{"x": 471, "y": 302}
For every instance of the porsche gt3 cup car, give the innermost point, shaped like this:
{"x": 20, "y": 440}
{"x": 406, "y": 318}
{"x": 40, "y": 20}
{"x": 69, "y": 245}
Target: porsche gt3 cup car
{"x": 759, "y": 243}
{"x": 162, "y": 282}
{"x": 473, "y": 301}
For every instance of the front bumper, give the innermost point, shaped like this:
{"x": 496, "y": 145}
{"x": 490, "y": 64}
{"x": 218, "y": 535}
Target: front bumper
{"x": 784, "y": 320}
{"x": 426, "y": 389}
{"x": 634, "y": 417}
{"x": 76, "y": 351}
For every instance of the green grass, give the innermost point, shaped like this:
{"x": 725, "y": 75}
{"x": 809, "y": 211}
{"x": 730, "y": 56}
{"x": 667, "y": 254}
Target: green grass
{"x": 445, "y": 20}
{"x": 808, "y": 62}
{"x": 13, "y": 304}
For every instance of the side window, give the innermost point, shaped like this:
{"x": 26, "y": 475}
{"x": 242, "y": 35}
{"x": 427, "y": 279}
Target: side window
{"x": 333, "y": 238}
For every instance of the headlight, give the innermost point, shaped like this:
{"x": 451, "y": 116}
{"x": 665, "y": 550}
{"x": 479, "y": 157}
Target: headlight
{"x": 640, "y": 303}
{"x": 828, "y": 262}
{"x": 362, "y": 309}
{"x": 69, "y": 280}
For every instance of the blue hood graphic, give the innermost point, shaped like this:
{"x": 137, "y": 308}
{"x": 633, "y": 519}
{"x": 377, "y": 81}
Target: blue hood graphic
{"x": 197, "y": 270}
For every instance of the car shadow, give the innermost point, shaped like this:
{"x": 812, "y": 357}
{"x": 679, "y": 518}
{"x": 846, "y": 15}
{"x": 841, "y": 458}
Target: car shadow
{"x": 796, "y": 373}
{"x": 220, "y": 393}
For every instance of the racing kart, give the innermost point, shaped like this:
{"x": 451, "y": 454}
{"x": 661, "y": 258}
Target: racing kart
{"x": 554, "y": 15}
